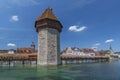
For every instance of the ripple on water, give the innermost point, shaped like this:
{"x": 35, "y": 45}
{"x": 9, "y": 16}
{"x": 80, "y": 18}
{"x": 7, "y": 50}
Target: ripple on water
{"x": 46, "y": 78}
{"x": 104, "y": 71}
{"x": 32, "y": 78}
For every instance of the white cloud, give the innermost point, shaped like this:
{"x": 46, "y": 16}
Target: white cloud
{"x": 11, "y": 44}
{"x": 109, "y": 40}
{"x": 14, "y": 18}
{"x": 75, "y": 28}
{"x": 95, "y": 46}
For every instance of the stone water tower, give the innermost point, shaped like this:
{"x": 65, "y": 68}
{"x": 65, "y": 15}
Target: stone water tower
{"x": 48, "y": 27}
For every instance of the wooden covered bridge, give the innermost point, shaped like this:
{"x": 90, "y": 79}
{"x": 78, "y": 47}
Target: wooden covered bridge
{"x": 8, "y": 59}
{"x": 76, "y": 59}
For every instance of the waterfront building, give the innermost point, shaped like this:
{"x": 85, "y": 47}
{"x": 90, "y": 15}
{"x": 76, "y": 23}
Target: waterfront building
{"x": 108, "y": 52}
{"x": 48, "y": 27}
{"x": 81, "y": 55}
{"x": 29, "y": 50}
{"x": 118, "y": 54}
{"x": 4, "y": 51}
{"x": 22, "y": 50}
{"x": 80, "y": 52}
{"x": 104, "y": 52}
{"x": 11, "y": 51}
{"x": 111, "y": 50}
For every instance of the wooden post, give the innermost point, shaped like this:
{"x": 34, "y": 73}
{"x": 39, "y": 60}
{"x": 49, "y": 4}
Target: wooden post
{"x": 36, "y": 61}
{"x": 23, "y": 62}
{"x": 9, "y": 62}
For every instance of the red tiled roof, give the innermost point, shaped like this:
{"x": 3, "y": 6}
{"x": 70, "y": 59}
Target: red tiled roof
{"x": 48, "y": 14}
{"x": 87, "y": 50}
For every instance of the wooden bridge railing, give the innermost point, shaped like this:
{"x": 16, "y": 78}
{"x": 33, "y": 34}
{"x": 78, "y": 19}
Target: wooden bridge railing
{"x": 17, "y": 57}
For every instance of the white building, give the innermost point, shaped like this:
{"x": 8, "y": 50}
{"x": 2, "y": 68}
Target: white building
{"x": 11, "y": 51}
{"x": 81, "y": 52}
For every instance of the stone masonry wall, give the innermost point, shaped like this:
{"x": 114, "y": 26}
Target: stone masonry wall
{"x": 48, "y": 46}
{"x": 42, "y": 47}
{"x": 53, "y": 47}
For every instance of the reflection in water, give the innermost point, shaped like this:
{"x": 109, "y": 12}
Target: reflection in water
{"x": 99, "y": 71}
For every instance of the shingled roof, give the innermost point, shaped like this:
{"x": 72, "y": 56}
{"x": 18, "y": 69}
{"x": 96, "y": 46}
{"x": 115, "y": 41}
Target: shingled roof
{"x": 48, "y": 14}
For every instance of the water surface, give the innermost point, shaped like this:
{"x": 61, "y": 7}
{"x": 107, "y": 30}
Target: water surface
{"x": 94, "y": 71}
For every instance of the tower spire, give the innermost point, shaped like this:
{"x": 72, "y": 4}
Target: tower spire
{"x": 48, "y": 14}
{"x": 48, "y": 18}
{"x": 32, "y": 45}
{"x": 110, "y": 47}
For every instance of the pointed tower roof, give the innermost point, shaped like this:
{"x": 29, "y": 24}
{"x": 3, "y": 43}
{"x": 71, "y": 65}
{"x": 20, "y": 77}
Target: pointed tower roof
{"x": 48, "y": 19}
{"x": 48, "y": 14}
{"x": 110, "y": 47}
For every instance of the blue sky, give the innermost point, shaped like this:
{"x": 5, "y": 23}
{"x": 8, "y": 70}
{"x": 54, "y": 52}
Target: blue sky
{"x": 86, "y": 23}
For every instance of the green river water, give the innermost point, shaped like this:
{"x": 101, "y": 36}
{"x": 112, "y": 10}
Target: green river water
{"x": 89, "y": 71}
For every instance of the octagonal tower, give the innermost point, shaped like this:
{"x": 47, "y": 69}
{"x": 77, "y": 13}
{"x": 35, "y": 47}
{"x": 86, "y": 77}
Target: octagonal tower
{"x": 48, "y": 27}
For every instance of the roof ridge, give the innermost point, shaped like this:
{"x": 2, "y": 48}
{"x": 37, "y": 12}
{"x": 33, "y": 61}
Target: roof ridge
{"x": 48, "y": 14}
